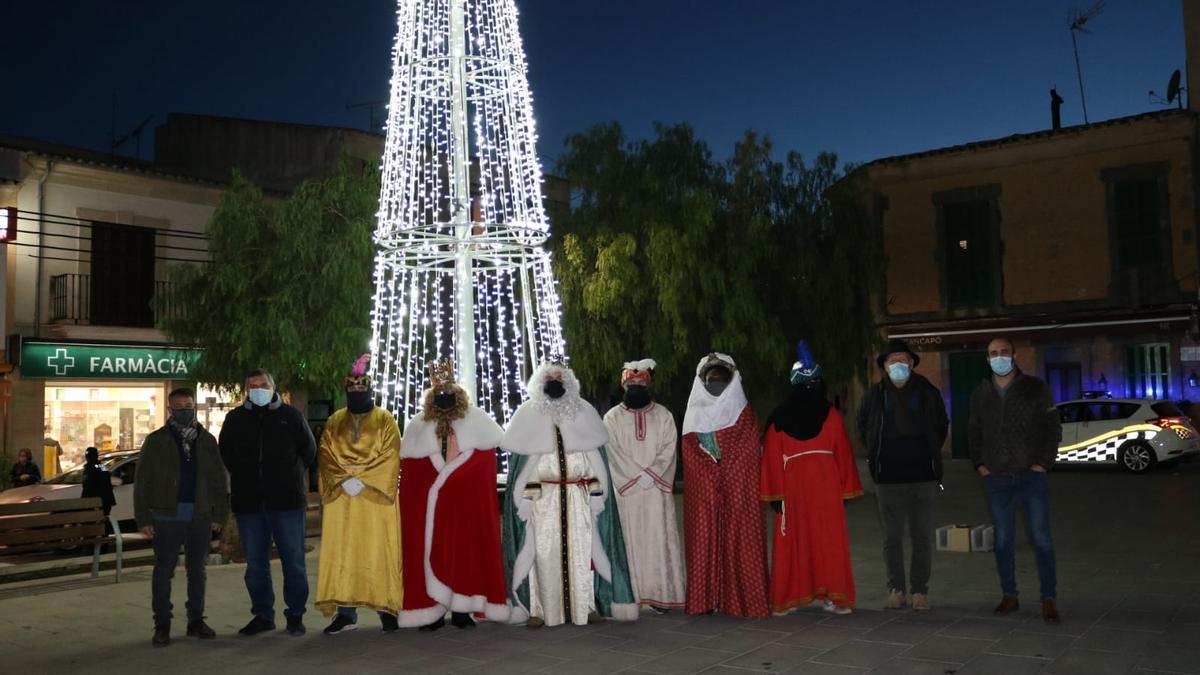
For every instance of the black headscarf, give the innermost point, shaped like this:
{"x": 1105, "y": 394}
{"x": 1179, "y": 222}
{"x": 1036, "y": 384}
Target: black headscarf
{"x": 803, "y": 413}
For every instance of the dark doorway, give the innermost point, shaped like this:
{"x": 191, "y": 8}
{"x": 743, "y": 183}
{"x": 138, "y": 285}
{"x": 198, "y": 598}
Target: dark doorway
{"x": 122, "y": 285}
{"x": 1065, "y": 381}
{"x": 966, "y": 371}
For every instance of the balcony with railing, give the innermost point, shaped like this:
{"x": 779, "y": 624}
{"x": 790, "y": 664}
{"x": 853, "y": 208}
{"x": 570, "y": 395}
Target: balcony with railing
{"x": 73, "y": 301}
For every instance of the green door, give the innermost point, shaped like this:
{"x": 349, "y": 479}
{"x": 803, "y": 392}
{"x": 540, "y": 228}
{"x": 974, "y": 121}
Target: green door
{"x": 966, "y": 370}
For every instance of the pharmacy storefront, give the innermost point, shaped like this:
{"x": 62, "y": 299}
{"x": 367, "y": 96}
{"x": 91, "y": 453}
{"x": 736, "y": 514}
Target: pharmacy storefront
{"x": 110, "y": 396}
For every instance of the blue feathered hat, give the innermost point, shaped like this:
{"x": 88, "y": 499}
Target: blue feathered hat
{"x": 805, "y": 369}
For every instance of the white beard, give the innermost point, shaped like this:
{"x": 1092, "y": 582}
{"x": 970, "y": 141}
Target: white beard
{"x": 559, "y": 409}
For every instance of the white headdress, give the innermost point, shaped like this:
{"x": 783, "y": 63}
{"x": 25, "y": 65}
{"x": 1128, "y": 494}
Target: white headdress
{"x": 707, "y": 413}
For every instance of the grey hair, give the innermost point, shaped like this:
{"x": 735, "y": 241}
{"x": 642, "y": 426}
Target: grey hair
{"x": 257, "y": 372}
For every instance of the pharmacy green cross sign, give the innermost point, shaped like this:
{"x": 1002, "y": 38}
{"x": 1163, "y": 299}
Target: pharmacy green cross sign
{"x": 106, "y": 362}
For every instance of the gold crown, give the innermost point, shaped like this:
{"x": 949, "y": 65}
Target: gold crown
{"x": 441, "y": 372}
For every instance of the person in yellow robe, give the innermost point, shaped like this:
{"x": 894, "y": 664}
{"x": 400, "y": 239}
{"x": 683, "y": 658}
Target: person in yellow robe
{"x": 358, "y": 465}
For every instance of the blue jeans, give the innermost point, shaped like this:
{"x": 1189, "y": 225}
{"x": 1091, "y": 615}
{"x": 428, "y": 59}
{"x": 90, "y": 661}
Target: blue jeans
{"x": 1030, "y": 489}
{"x": 286, "y": 528}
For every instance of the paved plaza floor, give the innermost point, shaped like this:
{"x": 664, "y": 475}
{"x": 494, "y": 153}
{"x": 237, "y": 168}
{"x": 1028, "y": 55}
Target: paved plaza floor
{"x": 1129, "y": 592}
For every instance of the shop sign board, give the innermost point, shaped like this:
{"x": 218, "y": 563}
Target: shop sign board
{"x": 57, "y": 360}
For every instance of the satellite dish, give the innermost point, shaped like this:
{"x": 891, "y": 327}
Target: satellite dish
{"x": 1173, "y": 87}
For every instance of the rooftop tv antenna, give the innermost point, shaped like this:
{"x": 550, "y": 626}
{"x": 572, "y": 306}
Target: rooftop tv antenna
{"x": 372, "y": 106}
{"x": 1078, "y": 20}
{"x": 1173, "y": 92}
{"x": 134, "y": 133}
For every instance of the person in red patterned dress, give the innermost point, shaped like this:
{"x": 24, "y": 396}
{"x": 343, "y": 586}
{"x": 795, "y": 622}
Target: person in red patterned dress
{"x": 808, "y": 470}
{"x": 724, "y": 536}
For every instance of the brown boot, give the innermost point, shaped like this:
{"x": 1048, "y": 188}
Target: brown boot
{"x": 1008, "y": 604}
{"x": 1050, "y": 613}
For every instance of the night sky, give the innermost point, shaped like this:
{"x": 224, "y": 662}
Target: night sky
{"x": 866, "y": 78}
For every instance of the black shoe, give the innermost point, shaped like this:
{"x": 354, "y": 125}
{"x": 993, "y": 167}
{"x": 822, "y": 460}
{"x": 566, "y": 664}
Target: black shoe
{"x": 434, "y": 626}
{"x": 201, "y": 630}
{"x": 162, "y": 636}
{"x": 257, "y": 625}
{"x": 390, "y": 624}
{"x": 461, "y": 620}
{"x": 295, "y": 626}
{"x": 340, "y": 624}
{"x": 659, "y": 610}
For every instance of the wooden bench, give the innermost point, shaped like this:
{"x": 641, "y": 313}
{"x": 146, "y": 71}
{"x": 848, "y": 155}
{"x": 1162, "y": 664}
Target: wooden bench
{"x": 57, "y": 524}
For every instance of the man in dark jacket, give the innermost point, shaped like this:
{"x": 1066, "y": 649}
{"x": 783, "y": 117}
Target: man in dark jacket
{"x": 1014, "y": 433}
{"x": 268, "y": 449}
{"x": 902, "y": 424}
{"x": 180, "y": 498}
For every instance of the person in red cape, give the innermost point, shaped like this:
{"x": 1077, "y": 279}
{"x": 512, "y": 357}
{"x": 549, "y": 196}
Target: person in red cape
{"x": 723, "y": 520}
{"x": 449, "y": 527}
{"x": 808, "y": 470}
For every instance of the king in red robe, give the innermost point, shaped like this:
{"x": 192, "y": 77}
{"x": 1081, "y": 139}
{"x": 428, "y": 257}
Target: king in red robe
{"x": 724, "y": 533}
{"x": 808, "y": 470}
{"x": 449, "y": 516}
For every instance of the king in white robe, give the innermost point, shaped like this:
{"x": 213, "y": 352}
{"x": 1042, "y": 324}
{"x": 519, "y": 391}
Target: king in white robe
{"x": 564, "y": 553}
{"x": 641, "y": 454}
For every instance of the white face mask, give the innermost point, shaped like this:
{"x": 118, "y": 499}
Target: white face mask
{"x": 260, "y": 397}
{"x": 1001, "y": 365}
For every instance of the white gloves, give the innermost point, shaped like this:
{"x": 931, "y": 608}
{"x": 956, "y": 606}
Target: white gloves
{"x": 596, "y": 502}
{"x": 353, "y": 486}
{"x": 525, "y": 509}
{"x": 645, "y": 481}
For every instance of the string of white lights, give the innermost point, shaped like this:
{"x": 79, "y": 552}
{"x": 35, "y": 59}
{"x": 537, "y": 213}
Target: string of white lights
{"x": 461, "y": 223}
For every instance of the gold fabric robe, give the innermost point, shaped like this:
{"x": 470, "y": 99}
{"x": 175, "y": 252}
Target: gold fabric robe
{"x": 360, "y": 562}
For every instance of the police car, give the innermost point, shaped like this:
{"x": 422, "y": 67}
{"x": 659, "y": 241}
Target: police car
{"x": 1134, "y": 433}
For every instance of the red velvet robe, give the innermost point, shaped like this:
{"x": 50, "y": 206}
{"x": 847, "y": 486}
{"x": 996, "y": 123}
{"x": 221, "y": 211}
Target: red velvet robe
{"x": 811, "y": 552}
{"x": 724, "y": 534}
{"x": 453, "y": 555}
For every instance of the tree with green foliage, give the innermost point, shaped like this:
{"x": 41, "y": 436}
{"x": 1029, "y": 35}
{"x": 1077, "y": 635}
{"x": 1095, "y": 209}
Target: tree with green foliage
{"x": 288, "y": 287}
{"x": 668, "y": 253}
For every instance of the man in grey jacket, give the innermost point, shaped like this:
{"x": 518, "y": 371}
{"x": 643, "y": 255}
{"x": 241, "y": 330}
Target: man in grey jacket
{"x": 1014, "y": 432}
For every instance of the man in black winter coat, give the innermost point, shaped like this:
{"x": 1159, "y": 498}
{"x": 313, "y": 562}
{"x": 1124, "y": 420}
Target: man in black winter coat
{"x": 268, "y": 449}
{"x": 902, "y": 424}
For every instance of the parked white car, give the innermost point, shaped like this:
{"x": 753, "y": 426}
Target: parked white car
{"x": 69, "y": 485}
{"x": 1135, "y": 433}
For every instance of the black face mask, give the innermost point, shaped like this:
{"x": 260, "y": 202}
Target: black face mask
{"x": 184, "y": 417}
{"x": 636, "y": 396}
{"x": 554, "y": 389}
{"x": 716, "y": 387}
{"x": 359, "y": 402}
{"x": 445, "y": 401}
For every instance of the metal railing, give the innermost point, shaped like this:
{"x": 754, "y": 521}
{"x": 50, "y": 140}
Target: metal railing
{"x": 71, "y": 301}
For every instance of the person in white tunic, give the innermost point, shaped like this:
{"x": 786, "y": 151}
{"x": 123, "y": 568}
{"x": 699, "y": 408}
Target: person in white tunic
{"x": 642, "y": 439}
{"x": 564, "y": 554}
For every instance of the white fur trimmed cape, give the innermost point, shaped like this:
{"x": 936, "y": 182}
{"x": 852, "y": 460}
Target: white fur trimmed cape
{"x": 531, "y": 435}
{"x": 452, "y": 551}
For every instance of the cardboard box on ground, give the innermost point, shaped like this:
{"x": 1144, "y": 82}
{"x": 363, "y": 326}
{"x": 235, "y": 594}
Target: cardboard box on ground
{"x": 964, "y": 538}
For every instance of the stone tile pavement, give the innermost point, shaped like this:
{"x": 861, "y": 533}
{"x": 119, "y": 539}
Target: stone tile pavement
{"x": 1129, "y": 591}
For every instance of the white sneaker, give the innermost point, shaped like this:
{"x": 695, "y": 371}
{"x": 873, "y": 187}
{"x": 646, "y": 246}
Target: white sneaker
{"x": 836, "y": 609}
{"x": 895, "y": 600}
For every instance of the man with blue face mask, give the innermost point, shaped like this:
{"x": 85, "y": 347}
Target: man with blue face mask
{"x": 1014, "y": 433}
{"x": 268, "y": 449}
{"x": 902, "y": 425}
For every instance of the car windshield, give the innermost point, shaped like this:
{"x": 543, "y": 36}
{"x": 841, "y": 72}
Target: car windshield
{"x": 75, "y": 476}
{"x": 1166, "y": 409}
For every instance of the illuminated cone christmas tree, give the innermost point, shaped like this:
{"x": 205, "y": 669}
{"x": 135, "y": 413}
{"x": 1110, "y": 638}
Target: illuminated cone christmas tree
{"x": 460, "y": 270}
